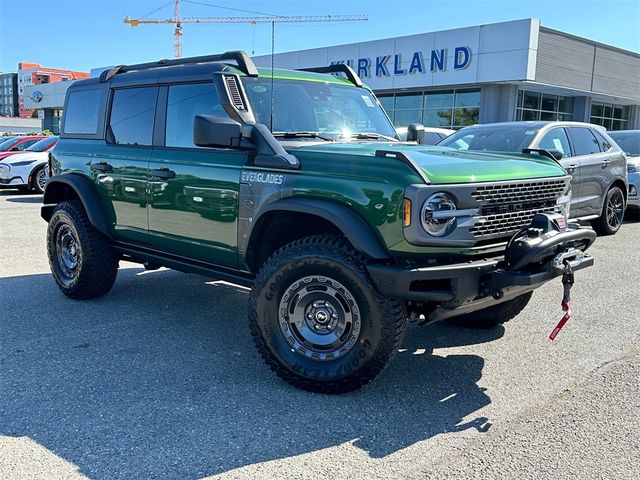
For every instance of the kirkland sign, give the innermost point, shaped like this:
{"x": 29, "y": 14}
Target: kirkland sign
{"x": 382, "y": 66}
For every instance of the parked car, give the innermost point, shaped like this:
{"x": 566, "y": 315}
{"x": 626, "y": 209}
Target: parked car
{"x": 629, "y": 142}
{"x": 46, "y": 144}
{"x": 28, "y": 170}
{"x": 596, "y": 163}
{"x": 432, "y": 135}
{"x": 19, "y": 143}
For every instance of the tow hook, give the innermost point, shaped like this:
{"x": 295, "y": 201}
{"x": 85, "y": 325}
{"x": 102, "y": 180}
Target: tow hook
{"x": 567, "y": 283}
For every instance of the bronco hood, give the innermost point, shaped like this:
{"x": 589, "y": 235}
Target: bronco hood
{"x": 446, "y": 165}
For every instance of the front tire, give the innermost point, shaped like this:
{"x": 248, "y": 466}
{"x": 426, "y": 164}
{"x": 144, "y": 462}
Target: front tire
{"x": 491, "y": 317}
{"x": 82, "y": 262}
{"x": 612, "y": 215}
{"x": 318, "y": 320}
{"x": 39, "y": 180}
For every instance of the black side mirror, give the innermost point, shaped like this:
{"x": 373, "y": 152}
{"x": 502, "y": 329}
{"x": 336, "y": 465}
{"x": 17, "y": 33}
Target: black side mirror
{"x": 557, "y": 154}
{"x": 415, "y": 133}
{"x": 15, "y": 149}
{"x": 214, "y": 131}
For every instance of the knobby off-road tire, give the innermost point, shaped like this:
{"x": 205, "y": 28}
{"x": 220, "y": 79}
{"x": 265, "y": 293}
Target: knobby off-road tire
{"x": 82, "y": 262}
{"x": 493, "y": 316}
{"x": 612, "y": 213}
{"x": 318, "y": 320}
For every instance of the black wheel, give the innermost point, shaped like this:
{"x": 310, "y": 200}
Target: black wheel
{"x": 493, "y": 316}
{"x": 318, "y": 320}
{"x": 612, "y": 213}
{"x": 81, "y": 260}
{"x": 39, "y": 180}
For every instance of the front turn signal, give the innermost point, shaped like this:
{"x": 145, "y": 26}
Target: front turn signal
{"x": 406, "y": 212}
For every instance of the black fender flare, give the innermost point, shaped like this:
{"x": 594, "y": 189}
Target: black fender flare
{"x": 354, "y": 228}
{"x": 85, "y": 190}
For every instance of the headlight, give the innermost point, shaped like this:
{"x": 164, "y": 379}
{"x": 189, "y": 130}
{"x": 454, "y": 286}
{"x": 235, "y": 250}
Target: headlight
{"x": 435, "y": 220}
{"x": 4, "y": 168}
{"x": 633, "y": 167}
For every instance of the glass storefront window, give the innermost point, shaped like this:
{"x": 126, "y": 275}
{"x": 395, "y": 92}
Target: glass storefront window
{"x": 543, "y": 106}
{"x": 610, "y": 116}
{"x": 444, "y": 108}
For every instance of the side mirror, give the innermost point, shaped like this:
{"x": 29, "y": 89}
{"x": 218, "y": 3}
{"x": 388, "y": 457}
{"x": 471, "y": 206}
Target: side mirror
{"x": 15, "y": 149}
{"x": 557, "y": 154}
{"x": 415, "y": 133}
{"x": 214, "y": 131}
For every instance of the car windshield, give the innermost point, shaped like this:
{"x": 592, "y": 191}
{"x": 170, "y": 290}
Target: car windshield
{"x": 629, "y": 142}
{"x": 500, "y": 138}
{"x": 6, "y": 143}
{"x": 42, "y": 145}
{"x": 325, "y": 109}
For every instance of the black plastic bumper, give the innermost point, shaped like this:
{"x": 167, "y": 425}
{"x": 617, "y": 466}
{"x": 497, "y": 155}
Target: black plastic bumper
{"x": 465, "y": 287}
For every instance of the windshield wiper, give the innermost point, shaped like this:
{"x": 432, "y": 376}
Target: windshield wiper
{"x": 372, "y": 135}
{"x": 303, "y": 135}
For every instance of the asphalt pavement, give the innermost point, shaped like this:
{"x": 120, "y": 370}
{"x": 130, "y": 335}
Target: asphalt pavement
{"x": 160, "y": 379}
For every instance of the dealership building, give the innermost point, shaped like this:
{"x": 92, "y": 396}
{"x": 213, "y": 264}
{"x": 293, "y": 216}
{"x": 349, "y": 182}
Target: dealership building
{"x": 500, "y": 72}
{"x": 517, "y": 70}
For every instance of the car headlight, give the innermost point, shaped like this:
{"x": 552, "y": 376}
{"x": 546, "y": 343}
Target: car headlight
{"x": 434, "y": 215}
{"x": 4, "y": 168}
{"x": 633, "y": 167}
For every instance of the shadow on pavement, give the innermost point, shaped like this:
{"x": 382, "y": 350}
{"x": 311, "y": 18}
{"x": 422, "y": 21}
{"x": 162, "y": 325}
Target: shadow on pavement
{"x": 37, "y": 199}
{"x": 160, "y": 379}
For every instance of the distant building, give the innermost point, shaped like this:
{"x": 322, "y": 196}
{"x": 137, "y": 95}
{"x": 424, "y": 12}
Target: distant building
{"x": 8, "y": 94}
{"x": 33, "y": 74}
{"x": 19, "y": 125}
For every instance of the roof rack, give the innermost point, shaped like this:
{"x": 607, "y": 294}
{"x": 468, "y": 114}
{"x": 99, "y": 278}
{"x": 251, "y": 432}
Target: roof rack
{"x": 242, "y": 59}
{"x": 337, "y": 68}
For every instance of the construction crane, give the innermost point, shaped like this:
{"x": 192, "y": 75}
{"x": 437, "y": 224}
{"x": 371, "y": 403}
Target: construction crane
{"x": 177, "y": 20}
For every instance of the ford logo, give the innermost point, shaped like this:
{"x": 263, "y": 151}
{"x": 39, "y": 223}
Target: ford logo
{"x": 36, "y": 96}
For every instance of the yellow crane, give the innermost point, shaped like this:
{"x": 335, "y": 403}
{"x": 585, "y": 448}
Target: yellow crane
{"x": 177, "y": 20}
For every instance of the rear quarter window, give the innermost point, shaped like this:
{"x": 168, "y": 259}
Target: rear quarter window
{"x": 82, "y": 112}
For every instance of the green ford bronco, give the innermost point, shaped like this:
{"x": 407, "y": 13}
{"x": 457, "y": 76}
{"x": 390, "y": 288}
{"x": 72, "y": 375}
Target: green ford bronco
{"x": 294, "y": 183}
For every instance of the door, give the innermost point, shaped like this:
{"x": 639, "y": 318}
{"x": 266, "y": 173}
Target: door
{"x": 193, "y": 206}
{"x": 592, "y": 164}
{"x": 121, "y": 163}
{"x": 556, "y": 139}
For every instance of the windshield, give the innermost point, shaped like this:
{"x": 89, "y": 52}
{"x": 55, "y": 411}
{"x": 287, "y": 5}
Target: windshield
{"x": 327, "y": 109}
{"x": 6, "y": 143}
{"x": 629, "y": 142}
{"x": 500, "y": 138}
{"x": 42, "y": 145}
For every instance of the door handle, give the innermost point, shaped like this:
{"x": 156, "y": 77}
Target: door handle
{"x": 101, "y": 166}
{"x": 163, "y": 173}
{"x": 571, "y": 168}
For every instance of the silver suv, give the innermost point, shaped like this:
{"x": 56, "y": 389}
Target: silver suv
{"x": 596, "y": 163}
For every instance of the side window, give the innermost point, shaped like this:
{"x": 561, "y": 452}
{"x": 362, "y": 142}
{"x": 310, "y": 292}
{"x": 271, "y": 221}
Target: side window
{"x": 183, "y": 104}
{"x": 132, "y": 114}
{"x": 556, "y": 139}
{"x": 605, "y": 146}
{"x": 583, "y": 141}
{"x": 81, "y": 114}
{"x": 25, "y": 145}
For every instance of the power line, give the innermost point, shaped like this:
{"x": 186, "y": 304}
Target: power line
{"x": 230, "y": 8}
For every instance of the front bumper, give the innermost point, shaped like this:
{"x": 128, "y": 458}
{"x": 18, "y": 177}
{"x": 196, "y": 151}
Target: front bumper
{"x": 457, "y": 289}
{"x": 15, "y": 181}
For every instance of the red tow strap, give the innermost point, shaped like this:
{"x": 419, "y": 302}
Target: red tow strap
{"x": 567, "y": 283}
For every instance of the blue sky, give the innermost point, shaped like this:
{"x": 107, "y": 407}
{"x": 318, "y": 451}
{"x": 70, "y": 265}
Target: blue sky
{"x": 82, "y": 34}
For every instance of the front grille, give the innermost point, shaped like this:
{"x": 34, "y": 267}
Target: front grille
{"x": 518, "y": 192}
{"x": 508, "y": 207}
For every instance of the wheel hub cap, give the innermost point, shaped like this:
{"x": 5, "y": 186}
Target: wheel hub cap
{"x": 319, "y": 318}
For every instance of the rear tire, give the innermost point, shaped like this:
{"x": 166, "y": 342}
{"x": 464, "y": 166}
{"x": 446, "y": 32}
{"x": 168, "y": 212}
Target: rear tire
{"x": 318, "y": 320}
{"x": 82, "y": 262}
{"x": 612, "y": 215}
{"x": 491, "y": 317}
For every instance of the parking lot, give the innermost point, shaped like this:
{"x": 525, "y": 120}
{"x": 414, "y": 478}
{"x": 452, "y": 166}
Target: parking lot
{"x": 160, "y": 379}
